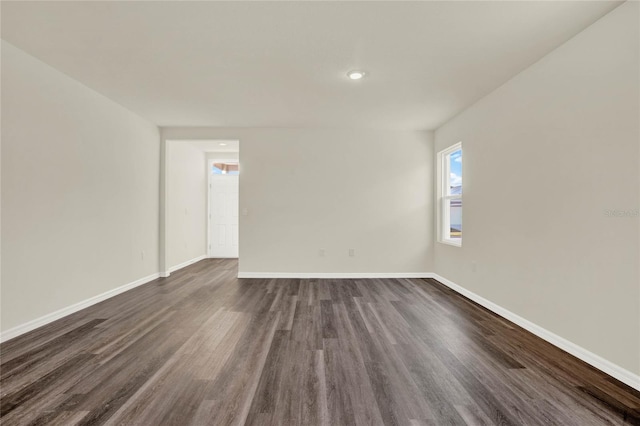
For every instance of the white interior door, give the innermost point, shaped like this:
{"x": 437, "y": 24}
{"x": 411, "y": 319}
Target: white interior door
{"x": 223, "y": 219}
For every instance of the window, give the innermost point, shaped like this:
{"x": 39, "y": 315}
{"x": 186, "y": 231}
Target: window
{"x": 225, "y": 169}
{"x": 450, "y": 195}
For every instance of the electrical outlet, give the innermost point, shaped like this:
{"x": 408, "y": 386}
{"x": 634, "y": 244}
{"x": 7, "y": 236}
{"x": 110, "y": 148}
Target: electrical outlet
{"x": 352, "y": 252}
{"x": 321, "y": 252}
{"x": 142, "y": 255}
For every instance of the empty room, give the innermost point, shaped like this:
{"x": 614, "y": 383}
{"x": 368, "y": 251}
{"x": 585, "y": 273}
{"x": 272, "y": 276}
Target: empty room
{"x": 320, "y": 213}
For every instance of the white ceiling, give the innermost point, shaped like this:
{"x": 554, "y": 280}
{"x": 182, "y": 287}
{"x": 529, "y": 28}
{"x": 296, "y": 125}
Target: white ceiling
{"x": 283, "y": 64}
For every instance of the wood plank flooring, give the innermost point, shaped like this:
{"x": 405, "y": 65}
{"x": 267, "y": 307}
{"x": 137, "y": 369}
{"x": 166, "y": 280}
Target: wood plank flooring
{"x": 205, "y": 348}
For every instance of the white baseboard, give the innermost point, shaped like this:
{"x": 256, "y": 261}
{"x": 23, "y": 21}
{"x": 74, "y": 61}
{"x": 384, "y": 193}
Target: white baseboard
{"x": 335, "y": 275}
{"x": 579, "y": 352}
{"x": 46, "y": 319}
{"x": 182, "y": 265}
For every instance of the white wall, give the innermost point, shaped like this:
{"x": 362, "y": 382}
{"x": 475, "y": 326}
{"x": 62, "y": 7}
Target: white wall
{"x": 222, "y": 156}
{"x": 187, "y": 206}
{"x": 545, "y": 156}
{"x": 80, "y": 178}
{"x": 308, "y": 189}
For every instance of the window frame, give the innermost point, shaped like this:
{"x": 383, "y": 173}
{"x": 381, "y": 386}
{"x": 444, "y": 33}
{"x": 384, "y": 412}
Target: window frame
{"x": 444, "y": 199}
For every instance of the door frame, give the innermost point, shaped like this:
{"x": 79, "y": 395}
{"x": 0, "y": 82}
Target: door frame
{"x": 209, "y": 187}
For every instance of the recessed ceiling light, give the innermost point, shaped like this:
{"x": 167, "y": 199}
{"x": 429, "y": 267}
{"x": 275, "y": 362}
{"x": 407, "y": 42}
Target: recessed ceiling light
{"x": 356, "y": 75}
{"x": 223, "y": 144}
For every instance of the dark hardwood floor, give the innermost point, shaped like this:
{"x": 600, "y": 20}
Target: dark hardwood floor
{"x": 205, "y": 348}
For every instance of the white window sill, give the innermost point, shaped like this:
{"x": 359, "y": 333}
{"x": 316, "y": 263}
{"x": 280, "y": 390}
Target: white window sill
{"x": 454, "y": 243}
